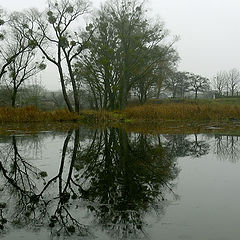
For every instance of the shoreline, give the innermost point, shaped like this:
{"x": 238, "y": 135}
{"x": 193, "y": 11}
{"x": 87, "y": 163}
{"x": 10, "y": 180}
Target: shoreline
{"x": 166, "y": 118}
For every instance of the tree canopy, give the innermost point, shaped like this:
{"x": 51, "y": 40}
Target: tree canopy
{"x": 127, "y": 53}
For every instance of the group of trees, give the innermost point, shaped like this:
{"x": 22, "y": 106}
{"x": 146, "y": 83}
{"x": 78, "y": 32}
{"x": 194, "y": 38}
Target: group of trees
{"x": 227, "y": 82}
{"x": 18, "y": 61}
{"x": 126, "y": 54}
{"x": 120, "y": 51}
{"x": 180, "y": 83}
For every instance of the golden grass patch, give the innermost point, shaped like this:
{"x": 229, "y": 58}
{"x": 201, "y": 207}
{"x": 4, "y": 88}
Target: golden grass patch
{"x": 33, "y": 114}
{"x": 182, "y": 111}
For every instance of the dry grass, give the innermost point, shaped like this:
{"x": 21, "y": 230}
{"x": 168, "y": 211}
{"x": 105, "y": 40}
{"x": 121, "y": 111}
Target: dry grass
{"x": 150, "y": 118}
{"x": 146, "y": 113}
{"x": 183, "y": 111}
{"x": 32, "y": 114}
{"x": 92, "y": 116}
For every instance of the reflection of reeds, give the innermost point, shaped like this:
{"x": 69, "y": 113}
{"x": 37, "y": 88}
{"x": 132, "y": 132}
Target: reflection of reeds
{"x": 183, "y": 111}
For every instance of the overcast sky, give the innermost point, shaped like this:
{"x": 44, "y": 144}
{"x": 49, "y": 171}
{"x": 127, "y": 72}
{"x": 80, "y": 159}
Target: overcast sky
{"x": 209, "y": 32}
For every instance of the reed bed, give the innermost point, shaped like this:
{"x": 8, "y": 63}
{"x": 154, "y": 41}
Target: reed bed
{"x": 183, "y": 111}
{"x": 33, "y": 114}
{"x": 102, "y": 116}
{"x": 145, "y": 113}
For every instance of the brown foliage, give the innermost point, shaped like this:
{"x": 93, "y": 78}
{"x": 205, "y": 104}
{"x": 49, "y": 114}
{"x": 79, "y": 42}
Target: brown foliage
{"x": 182, "y": 111}
{"x": 33, "y": 114}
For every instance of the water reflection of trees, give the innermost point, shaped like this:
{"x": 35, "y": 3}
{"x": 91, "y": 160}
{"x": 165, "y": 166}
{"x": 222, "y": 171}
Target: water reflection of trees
{"x": 124, "y": 179}
{"x": 33, "y": 201}
{"x": 183, "y": 145}
{"x": 120, "y": 176}
{"x": 227, "y": 147}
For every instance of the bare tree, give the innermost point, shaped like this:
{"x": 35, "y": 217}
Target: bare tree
{"x": 198, "y": 84}
{"x": 1, "y": 23}
{"x": 219, "y": 82}
{"x": 54, "y": 30}
{"x": 24, "y": 66}
{"x": 233, "y": 80}
{"x": 177, "y": 83}
{"x": 19, "y": 47}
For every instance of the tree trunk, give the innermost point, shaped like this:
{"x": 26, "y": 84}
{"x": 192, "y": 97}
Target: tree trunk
{"x": 13, "y": 98}
{"x": 123, "y": 83}
{"x": 123, "y": 94}
{"x": 73, "y": 160}
{"x": 64, "y": 91}
{"x": 73, "y": 81}
{"x": 111, "y": 101}
{"x": 174, "y": 94}
{"x": 196, "y": 93}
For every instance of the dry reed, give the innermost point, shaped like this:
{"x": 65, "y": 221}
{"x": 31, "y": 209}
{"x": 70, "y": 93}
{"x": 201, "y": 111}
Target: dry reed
{"x": 145, "y": 113}
{"x": 32, "y": 114}
{"x": 182, "y": 111}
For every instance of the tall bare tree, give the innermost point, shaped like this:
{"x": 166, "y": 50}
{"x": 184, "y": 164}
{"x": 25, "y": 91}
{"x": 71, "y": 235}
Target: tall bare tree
{"x": 198, "y": 84}
{"x": 219, "y": 82}
{"x": 233, "y": 80}
{"x": 20, "y": 46}
{"x": 54, "y": 32}
{"x": 24, "y": 66}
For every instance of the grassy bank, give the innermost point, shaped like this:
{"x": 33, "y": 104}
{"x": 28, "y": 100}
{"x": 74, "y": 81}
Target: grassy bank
{"x": 186, "y": 117}
{"x": 155, "y": 113}
{"x": 32, "y": 114}
{"x": 183, "y": 112}
{"x": 233, "y": 101}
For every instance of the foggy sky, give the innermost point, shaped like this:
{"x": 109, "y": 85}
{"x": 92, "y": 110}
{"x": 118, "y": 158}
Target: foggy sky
{"x": 208, "y": 29}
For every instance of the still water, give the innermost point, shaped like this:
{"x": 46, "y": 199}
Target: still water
{"x": 110, "y": 184}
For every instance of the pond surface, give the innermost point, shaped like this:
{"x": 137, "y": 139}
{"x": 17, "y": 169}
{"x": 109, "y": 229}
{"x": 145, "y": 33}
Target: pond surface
{"x": 110, "y": 184}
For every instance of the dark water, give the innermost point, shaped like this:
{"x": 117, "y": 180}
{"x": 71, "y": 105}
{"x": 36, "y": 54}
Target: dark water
{"x": 109, "y": 184}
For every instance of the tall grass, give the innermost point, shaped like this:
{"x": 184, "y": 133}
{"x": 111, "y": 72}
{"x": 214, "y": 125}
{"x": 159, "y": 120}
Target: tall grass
{"x": 144, "y": 113}
{"x": 32, "y": 114}
{"x": 182, "y": 111}
{"x": 102, "y": 116}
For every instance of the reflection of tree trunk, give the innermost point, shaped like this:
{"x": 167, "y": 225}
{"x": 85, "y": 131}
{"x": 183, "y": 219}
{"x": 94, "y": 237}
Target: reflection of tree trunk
{"x": 60, "y": 172}
{"x": 74, "y": 155}
{"x": 14, "y": 143}
{"x": 64, "y": 150}
{"x": 196, "y": 145}
{"x": 123, "y": 140}
{"x": 23, "y": 174}
{"x": 124, "y": 158}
